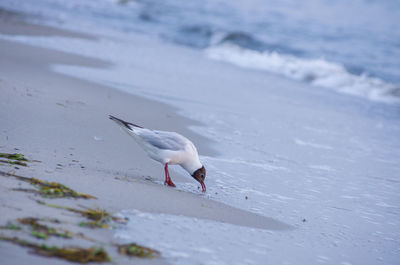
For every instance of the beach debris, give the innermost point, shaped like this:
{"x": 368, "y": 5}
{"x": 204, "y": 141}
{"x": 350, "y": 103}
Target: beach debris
{"x": 57, "y": 190}
{"x": 14, "y": 159}
{"x": 74, "y": 254}
{"x": 11, "y": 226}
{"x": 99, "y": 218}
{"x": 97, "y": 138}
{"x": 92, "y": 214}
{"x": 15, "y": 156}
{"x": 135, "y": 250}
{"x": 48, "y": 189}
{"x": 42, "y": 231}
{"x": 94, "y": 224}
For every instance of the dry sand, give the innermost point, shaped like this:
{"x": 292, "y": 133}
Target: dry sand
{"x": 63, "y": 122}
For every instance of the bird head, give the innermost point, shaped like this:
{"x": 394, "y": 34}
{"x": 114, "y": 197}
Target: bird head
{"x": 200, "y": 175}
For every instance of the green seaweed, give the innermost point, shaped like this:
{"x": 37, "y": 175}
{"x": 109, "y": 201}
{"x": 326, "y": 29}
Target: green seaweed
{"x": 43, "y": 231}
{"x": 14, "y": 159}
{"x": 95, "y": 214}
{"x": 48, "y": 189}
{"x": 15, "y": 156}
{"x": 11, "y": 226}
{"x": 11, "y": 162}
{"x": 41, "y": 235}
{"x": 57, "y": 190}
{"x": 135, "y": 250}
{"x": 99, "y": 217}
{"x": 74, "y": 254}
{"x": 94, "y": 224}
{"x": 92, "y": 214}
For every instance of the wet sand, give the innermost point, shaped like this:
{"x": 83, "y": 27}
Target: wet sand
{"x": 63, "y": 123}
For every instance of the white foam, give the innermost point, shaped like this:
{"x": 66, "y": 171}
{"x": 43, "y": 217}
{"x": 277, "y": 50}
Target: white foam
{"x": 314, "y": 145}
{"x": 318, "y": 72}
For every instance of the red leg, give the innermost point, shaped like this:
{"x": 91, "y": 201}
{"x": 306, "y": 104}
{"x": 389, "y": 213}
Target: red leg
{"x": 166, "y": 174}
{"x": 167, "y": 177}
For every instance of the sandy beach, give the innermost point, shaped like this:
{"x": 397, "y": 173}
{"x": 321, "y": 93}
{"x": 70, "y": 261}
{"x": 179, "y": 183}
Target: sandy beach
{"x": 293, "y": 107}
{"x": 63, "y": 123}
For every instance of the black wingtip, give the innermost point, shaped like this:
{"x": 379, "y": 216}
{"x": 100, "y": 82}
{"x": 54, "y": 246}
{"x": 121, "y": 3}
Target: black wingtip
{"x": 111, "y": 117}
{"x": 122, "y": 122}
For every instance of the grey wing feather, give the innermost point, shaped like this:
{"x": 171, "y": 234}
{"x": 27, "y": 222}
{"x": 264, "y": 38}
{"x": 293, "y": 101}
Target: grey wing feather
{"x": 165, "y": 140}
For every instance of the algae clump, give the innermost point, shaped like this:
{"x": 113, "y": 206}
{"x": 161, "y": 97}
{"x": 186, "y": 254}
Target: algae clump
{"x": 43, "y": 231}
{"x": 92, "y": 214}
{"x": 57, "y": 190}
{"x": 14, "y": 159}
{"x": 11, "y": 226}
{"x": 99, "y": 217}
{"x": 135, "y": 250}
{"x": 74, "y": 254}
{"x": 48, "y": 189}
{"x": 16, "y": 156}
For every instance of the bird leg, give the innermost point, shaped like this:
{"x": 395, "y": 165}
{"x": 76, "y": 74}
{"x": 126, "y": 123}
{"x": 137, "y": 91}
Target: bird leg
{"x": 167, "y": 177}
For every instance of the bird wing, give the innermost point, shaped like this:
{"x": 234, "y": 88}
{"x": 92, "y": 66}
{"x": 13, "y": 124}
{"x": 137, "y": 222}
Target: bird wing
{"x": 164, "y": 140}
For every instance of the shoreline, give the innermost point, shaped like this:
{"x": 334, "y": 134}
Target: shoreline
{"x": 63, "y": 122}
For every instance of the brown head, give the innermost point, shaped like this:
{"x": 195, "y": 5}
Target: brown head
{"x": 200, "y": 175}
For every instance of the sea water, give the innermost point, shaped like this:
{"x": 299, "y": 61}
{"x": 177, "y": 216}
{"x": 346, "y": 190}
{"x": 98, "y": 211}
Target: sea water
{"x": 266, "y": 78}
{"x": 352, "y": 47}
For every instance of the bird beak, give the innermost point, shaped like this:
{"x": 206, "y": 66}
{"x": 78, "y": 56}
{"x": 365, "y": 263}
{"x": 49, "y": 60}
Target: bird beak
{"x": 203, "y": 186}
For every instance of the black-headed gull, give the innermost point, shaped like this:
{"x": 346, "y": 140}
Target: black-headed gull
{"x": 167, "y": 148}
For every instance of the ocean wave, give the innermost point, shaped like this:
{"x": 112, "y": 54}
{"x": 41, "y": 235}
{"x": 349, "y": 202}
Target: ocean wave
{"x": 249, "y": 41}
{"x": 241, "y": 39}
{"x": 317, "y": 72}
{"x": 197, "y": 36}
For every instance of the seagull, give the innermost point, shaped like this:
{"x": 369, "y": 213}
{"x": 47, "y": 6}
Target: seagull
{"x": 167, "y": 148}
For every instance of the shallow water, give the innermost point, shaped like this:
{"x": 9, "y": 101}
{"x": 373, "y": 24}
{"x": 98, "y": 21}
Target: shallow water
{"x": 324, "y": 162}
{"x": 351, "y": 47}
